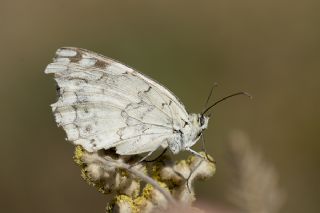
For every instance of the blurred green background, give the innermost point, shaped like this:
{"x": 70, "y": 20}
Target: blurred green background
{"x": 268, "y": 48}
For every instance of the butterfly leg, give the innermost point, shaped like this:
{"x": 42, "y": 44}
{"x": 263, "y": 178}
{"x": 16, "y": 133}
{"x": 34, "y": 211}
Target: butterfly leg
{"x": 196, "y": 167}
{"x": 141, "y": 160}
{"x": 150, "y": 153}
{"x": 162, "y": 153}
{"x": 146, "y": 156}
{"x": 205, "y": 150}
{"x": 191, "y": 172}
{"x": 195, "y": 153}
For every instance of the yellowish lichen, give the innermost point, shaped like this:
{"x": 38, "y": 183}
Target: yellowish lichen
{"x": 140, "y": 202}
{"x": 155, "y": 172}
{"x": 147, "y": 191}
{"x": 78, "y": 154}
{"x": 128, "y": 195}
{"x": 97, "y": 184}
{"x": 128, "y": 200}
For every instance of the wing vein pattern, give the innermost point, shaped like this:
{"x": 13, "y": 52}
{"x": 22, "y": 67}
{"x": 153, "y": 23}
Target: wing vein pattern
{"x": 103, "y": 103}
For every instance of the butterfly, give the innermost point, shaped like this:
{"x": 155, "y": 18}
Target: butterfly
{"x": 104, "y": 104}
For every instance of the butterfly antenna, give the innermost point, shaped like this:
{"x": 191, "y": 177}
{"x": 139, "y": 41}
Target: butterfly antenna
{"x": 225, "y": 98}
{"x": 210, "y": 94}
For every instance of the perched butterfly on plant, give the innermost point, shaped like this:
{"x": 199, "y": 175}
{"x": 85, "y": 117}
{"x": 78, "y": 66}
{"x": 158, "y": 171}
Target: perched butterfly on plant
{"x": 104, "y": 104}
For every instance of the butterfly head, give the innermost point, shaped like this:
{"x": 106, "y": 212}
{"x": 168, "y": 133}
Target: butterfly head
{"x": 199, "y": 123}
{"x": 203, "y": 121}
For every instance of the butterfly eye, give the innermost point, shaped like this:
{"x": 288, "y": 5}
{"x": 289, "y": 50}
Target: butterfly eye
{"x": 199, "y": 134}
{"x": 201, "y": 120}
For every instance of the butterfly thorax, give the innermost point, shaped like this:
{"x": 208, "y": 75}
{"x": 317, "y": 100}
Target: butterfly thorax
{"x": 190, "y": 133}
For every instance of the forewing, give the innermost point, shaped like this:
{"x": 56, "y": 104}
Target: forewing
{"x": 104, "y": 104}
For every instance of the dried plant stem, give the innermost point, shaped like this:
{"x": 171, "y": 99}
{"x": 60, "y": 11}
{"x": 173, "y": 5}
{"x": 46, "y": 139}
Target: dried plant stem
{"x": 169, "y": 183}
{"x": 143, "y": 177}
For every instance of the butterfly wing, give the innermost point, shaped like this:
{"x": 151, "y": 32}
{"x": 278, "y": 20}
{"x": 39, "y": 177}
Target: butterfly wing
{"x": 103, "y": 103}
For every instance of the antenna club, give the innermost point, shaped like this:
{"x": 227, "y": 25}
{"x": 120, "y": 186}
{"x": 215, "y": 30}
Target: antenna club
{"x": 248, "y": 94}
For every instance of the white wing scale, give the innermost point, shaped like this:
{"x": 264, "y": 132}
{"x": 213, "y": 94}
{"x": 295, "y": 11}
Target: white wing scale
{"x": 104, "y": 104}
